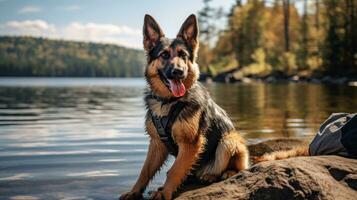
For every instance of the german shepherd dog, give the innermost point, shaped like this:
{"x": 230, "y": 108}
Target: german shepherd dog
{"x": 182, "y": 119}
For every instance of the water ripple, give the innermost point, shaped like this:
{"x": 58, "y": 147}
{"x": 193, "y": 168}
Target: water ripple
{"x": 68, "y": 138}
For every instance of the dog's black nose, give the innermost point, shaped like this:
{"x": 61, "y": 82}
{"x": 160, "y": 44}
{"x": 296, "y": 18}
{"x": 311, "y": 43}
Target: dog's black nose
{"x": 177, "y": 73}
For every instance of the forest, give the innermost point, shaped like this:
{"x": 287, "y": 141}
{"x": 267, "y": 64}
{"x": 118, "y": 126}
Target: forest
{"x": 255, "y": 38}
{"x": 304, "y": 38}
{"x": 28, "y": 56}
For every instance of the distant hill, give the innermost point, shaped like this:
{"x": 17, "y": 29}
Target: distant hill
{"x": 29, "y": 56}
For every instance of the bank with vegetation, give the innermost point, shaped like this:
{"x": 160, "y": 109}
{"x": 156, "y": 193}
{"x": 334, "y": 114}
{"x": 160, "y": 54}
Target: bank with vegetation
{"x": 312, "y": 40}
{"x": 29, "y": 56}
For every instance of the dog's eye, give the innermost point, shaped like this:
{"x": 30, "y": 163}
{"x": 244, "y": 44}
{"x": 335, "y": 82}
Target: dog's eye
{"x": 182, "y": 54}
{"x": 165, "y": 55}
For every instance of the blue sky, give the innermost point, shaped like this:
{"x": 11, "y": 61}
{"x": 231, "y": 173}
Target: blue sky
{"x": 109, "y": 21}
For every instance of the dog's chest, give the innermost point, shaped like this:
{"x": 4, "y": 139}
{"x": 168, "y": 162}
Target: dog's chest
{"x": 158, "y": 108}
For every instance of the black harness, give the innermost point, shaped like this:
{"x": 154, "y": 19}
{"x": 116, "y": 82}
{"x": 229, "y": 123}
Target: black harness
{"x": 164, "y": 124}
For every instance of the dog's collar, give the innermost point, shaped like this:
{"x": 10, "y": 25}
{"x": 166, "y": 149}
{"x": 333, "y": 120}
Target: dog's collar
{"x": 161, "y": 99}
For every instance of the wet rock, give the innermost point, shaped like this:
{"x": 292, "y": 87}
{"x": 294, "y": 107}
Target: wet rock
{"x": 319, "y": 177}
{"x": 246, "y": 80}
{"x": 224, "y": 78}
{"x": 294, "y": 78}
{"x": 352, "y": 83}
{"x": 270, "y": 79}
{"x": 315, "y": 80}
{"x": 340, "y": 81}
{"x": 204, "y": 77}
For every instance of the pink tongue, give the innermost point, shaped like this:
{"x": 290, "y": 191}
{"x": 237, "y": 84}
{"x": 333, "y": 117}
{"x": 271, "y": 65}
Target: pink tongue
{"x": 177, "y": 88}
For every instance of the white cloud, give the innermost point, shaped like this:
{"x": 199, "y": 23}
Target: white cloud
{"x": 104, "y": 33}
{"x": 29, "y": 9}
{"x": 29, "y": 27}
{"x": 94, "y": 30}
{"x": 88, "y": 32}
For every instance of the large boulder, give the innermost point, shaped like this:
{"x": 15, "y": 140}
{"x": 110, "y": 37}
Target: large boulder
{"x": 320, "y": 177}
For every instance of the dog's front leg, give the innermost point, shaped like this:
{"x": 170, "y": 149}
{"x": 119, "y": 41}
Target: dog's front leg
{"x": 187, "y": 156}
{"x": 156, "y": 156}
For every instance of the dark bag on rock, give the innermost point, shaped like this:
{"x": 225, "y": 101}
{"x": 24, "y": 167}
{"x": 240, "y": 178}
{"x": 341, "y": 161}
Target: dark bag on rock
{"x": 336, "y": 136}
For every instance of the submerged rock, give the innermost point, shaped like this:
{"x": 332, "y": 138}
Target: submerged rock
{"x": 319, "y": 177}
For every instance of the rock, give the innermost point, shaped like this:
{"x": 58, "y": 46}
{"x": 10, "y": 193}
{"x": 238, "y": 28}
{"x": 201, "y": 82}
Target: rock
{"x": 224, "y": 78}
{"x": 246, "y": 80}
{"x": 270, "y": 79}
{"x": 319, "y": 177}
{"x": 352, "y": 83}
{"x": 340, "y": 81}
{"x": 315, "y": 80}
{"x": 294, "y": 78}
{"x": 204, "y": 77}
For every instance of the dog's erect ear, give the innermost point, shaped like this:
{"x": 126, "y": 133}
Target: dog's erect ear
{"x": 152, "y": 32}
{"x": 189, "y": 32}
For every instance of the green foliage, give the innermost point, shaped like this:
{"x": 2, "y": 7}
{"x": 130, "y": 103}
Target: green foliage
{"x": 224, "y": 63}
{"x": 259, "y": 66}
{"x": 287, "y": 63}
{"x": 28, "y": 56}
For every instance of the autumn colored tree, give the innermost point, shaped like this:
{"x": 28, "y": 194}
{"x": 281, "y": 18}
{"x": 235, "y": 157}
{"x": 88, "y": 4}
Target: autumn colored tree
{"x": 340, "y": 43}
{"x": 273, "y": 35}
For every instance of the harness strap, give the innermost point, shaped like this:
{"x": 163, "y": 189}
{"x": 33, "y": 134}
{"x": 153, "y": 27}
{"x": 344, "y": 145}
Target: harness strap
{"x": 161, "y": 99}
{"x": 164, "y": 124}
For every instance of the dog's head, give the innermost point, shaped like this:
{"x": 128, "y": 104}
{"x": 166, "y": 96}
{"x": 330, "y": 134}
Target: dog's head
{"x": 171, "y": 63}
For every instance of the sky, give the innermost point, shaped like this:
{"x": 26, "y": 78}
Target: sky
{"x": 106, "y": 21}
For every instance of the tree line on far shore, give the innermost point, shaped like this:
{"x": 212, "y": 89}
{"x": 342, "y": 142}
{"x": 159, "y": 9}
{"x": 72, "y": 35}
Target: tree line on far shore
{"x": 265, "y": 37}
{"x": 29, "y": 56}
{"x": 261, "y": 38}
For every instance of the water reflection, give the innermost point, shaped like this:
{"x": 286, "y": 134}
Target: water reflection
{"x": 278, "y": 110}
{"x": 16, "y": 177}
{"x": 67, "y": 138}
{"x": 95, "y": 173}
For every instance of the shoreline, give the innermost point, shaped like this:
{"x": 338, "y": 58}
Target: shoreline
{"x": 229, "y": 78}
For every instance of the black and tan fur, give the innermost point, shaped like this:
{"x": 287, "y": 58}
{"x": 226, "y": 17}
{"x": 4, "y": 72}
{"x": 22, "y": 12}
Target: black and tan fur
{"x": 209, "y": 147}
{"x": 302, "y": 150}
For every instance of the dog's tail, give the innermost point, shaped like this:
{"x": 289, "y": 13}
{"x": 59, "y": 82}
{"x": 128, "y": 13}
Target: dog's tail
{"x": 278, "y": 155}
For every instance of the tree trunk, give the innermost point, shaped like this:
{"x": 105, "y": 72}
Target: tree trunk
{"x": 304, "y": 37}
{"x": 317, "y": 13}
{"x": 286, "y": 7}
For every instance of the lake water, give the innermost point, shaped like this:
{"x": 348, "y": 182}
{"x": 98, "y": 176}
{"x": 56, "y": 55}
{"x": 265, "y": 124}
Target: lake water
{"x": 83, "y": 138}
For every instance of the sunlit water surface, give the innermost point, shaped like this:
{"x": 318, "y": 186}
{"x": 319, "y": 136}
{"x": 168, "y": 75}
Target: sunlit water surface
{"x": 68, "y": 138}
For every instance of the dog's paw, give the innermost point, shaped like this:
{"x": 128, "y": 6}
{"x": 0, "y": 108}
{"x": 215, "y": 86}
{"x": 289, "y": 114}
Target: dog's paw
{"x": 131, "y": 196}
{"x": 208, "y": 178}
{"x": 228, "y": 174}
{"x": 161, "y": 194}
{"x": 157, "y": 195}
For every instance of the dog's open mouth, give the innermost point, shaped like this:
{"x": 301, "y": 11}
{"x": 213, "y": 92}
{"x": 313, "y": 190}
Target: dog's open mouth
{"x": 177, "y": 88}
